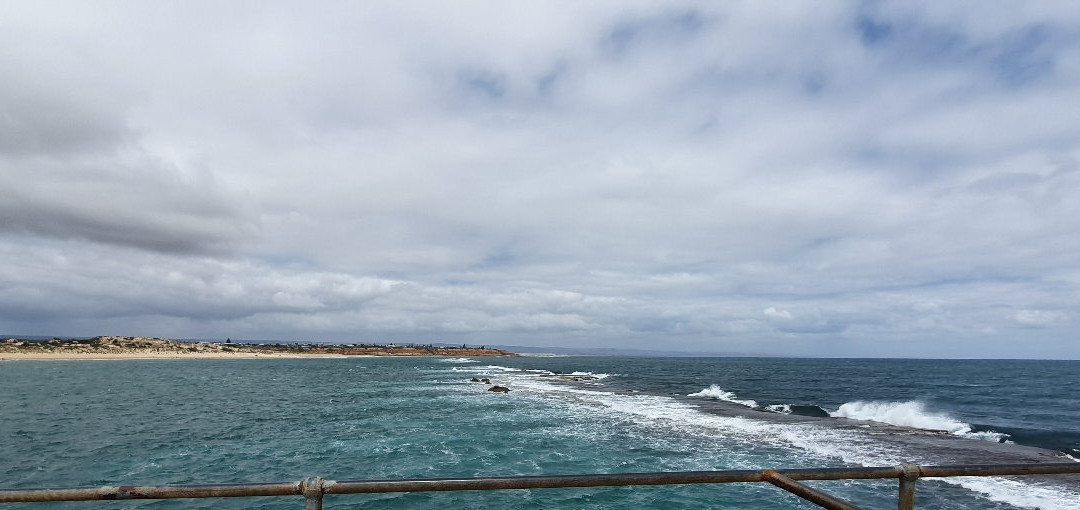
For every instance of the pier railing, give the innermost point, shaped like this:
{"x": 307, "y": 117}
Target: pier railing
{"x": 314, "y": 489}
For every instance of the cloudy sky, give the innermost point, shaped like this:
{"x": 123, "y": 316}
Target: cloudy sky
{"x": 806, "y": 178}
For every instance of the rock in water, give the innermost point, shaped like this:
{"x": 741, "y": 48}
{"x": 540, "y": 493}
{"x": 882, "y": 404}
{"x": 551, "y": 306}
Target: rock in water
{"x": 499, "y": 389}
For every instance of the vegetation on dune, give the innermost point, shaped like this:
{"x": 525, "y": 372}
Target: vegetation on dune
{"x": 136, "y": 345}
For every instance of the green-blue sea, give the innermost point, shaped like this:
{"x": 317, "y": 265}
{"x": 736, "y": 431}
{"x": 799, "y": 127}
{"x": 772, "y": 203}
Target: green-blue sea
{"x": 92, "y": 423}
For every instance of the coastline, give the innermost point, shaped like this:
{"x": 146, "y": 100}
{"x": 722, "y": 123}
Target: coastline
{"x": 106, "y": 356}
{"x": 120, "y": 348}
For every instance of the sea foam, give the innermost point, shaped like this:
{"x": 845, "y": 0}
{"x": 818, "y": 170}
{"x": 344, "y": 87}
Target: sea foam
{"x": 719, "y": 393}
{"x": 779, "y": 408}
{"x": 911, "y": 414}
{"x": 846, "y": 445}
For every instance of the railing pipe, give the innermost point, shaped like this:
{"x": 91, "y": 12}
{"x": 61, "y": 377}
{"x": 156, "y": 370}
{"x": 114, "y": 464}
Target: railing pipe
{"x": 999, "y": 469}
{"x": 808, "y": 493}
{"x": 541, "y": 482}
{"x": 313, "y": 489}
{"x": 151, "y": 492}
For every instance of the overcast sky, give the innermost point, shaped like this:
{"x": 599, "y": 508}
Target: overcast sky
{"x": 807, "y": 178}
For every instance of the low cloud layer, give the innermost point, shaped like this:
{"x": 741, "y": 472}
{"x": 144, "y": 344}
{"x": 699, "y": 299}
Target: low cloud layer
{"x": 848, "y": 179}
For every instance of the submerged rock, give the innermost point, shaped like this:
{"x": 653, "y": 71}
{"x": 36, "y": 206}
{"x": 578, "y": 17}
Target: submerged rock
{"x": 485, "y": 380}
{"x": 813, "y": 411}
{"x": 474, "y": 380}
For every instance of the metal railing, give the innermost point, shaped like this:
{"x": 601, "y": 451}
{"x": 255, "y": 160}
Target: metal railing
{"x": 314, "y": 489}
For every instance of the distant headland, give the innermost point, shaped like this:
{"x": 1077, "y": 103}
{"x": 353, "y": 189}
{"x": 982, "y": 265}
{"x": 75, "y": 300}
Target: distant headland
{"x": 120, "y": 347}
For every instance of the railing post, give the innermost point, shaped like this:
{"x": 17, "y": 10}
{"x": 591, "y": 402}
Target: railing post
{"x": 906, "y": 499}
{"x": 313, "y": 493}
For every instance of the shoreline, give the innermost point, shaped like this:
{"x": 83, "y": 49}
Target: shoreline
{"x": 116, "y": 347}
{"x": 107, "y": 356}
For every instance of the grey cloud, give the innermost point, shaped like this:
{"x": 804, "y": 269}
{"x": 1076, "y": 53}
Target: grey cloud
{"x": 72, "y": 167}
{"x": 803, "y": 322}
{"x": 1040, "y": 318}
{"x": 106, "y": 286}
{"x": 104, "y": 281}
{"x": 53, "y": 127}
{"x": 55, "y": 102}
{"x": 137, "y": 204}
{"x": 485, "y": 83}
{"x": 669, "y": 28}
{"x": 566, "y": 173}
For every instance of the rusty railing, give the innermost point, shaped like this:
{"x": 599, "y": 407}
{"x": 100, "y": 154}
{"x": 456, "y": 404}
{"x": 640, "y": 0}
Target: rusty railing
{"x": 314, "y": 489}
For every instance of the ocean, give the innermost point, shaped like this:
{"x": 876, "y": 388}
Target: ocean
{"x": 91, "y": 423}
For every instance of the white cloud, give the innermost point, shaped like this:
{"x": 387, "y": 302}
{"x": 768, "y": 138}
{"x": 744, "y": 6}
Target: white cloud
{"x": 1040, "y": 318}
{"x": 611, "y": 173}
{"x": 772, "y": 313}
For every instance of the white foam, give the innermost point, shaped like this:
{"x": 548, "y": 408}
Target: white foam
{"x": 530, "y": 371}
{"x": 911, "y": 414}
{"x": 457, "y": 360}
{"x": 1020, "y": 494}
{"x": 849, "y": 446}
{"x": 779, "y": 408}
{"x": 592, "y": 374}
{"x": 719, "y": 393}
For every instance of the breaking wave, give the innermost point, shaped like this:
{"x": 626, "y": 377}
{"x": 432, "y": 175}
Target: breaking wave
{"x": 818, "y": 442}
{"x": 594, "y": 375}
{"x": 719, "y": 393}
{"x": 912, "y": 414}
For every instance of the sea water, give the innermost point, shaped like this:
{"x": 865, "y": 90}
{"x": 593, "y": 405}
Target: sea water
{"x": 92, "y": 423}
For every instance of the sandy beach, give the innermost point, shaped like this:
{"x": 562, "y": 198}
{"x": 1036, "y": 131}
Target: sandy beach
{"x": 117, "y": 347}
{"x": 100, "y": 356}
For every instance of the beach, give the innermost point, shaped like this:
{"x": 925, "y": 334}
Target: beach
{"x": 102, "y": 356}
{"x": 134, "y": 347}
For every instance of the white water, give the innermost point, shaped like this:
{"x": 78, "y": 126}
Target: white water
{"x": 816, "y": 442}
{"x": 911, "y": 414}
{"x": 592, "y": 374}
{"x": 719, "y": 393}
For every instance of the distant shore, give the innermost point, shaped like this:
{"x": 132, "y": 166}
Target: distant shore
{"x": 117, "y": 347}
{"x": 69, "y": 356}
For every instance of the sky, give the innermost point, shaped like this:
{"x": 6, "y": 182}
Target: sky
{"x": 793, "y": 178}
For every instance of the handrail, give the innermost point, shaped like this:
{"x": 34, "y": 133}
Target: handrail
{"x": 313, "y": 489}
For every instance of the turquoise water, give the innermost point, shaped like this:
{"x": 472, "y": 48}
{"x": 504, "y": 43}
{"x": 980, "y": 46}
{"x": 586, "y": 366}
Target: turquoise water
{"x": 86, "y": 423}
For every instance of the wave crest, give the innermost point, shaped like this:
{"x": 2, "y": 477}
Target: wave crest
{"x": 911, "y": 414}
{"x": 719, "y": 393}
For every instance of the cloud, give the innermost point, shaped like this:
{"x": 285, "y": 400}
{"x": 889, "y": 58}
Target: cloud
{"x": 37, "y": 124}
{"x": 811, "y": 321}
{"x": 141, "y": 203}
{"x": 713, "y": 176}
{"x": 1040, "y": 318}
{"x": 772, "y": 313}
